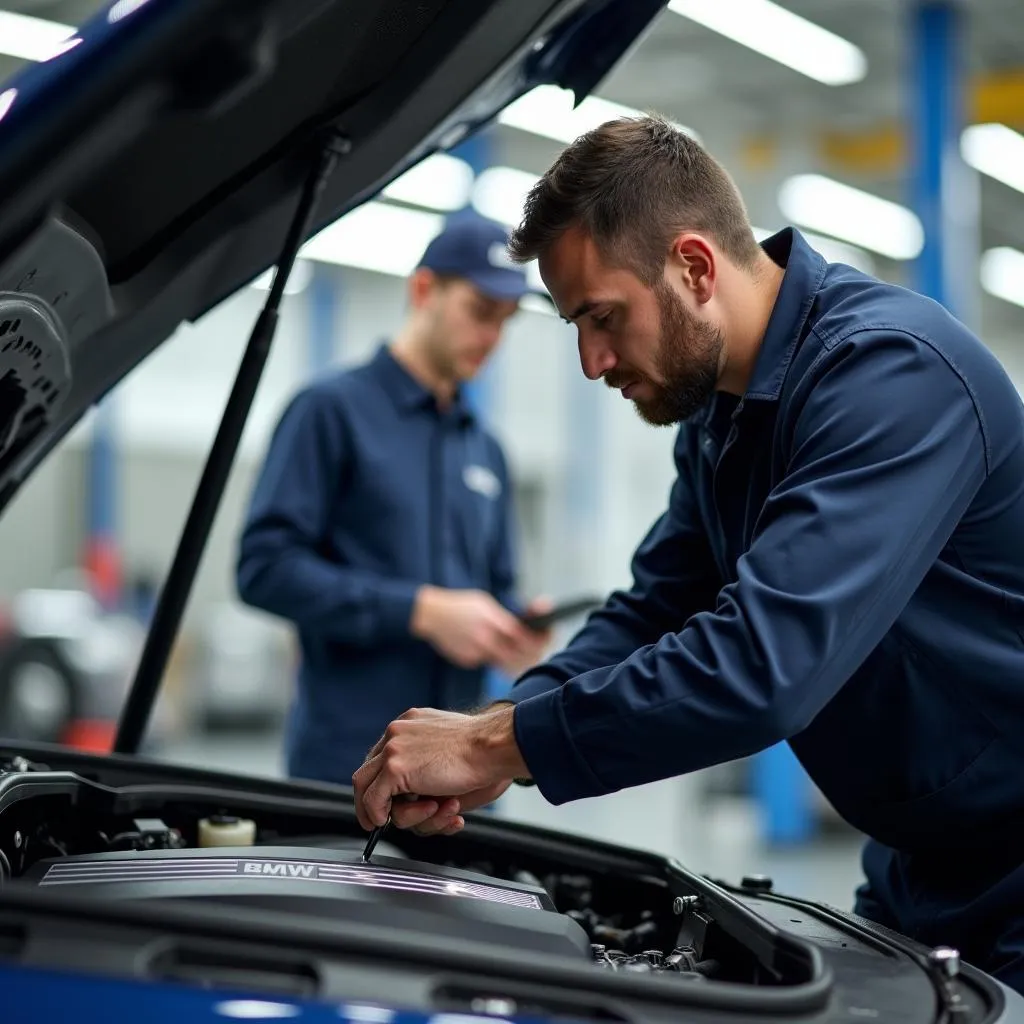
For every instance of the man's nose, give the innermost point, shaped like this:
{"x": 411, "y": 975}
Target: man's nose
{"x": 596, "y": 358}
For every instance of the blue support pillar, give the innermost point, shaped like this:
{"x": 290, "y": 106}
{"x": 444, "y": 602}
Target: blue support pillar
{"x": 783, "y": 792}
{"x": 478, "y": 152}
{"x": 323, "y": 301}
{"x": 943, "y": 190}
{"x": 102, "y": 554}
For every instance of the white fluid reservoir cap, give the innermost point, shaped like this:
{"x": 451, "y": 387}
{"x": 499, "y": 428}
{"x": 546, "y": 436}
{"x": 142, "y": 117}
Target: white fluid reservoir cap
{"x": 224, "y": 830}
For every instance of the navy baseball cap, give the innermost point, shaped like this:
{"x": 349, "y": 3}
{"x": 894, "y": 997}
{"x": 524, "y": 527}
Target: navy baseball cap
{"x": 475, "y": 249}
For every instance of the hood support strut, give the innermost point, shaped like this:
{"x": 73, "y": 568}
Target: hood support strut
{"x": 210, "y": 489}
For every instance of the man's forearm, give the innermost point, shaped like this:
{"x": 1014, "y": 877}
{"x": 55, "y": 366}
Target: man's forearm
{"x": 352, "y": 605}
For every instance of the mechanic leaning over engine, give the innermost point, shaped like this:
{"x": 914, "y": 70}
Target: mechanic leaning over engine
{"x": 841, "y": 563}
{"x": 381, "y": 523}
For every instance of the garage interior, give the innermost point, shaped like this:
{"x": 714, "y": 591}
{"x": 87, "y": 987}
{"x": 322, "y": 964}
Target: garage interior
{"x": 903, "y": 111}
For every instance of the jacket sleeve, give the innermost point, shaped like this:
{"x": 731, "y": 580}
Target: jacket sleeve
{"x": 280, "y": 566}
{"x": 885, "y": 455}
{"x": 674, "y": 576}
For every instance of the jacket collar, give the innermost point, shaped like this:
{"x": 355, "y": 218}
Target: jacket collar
{"x": 804, "y": 272}
{"x": 409, "y": 394}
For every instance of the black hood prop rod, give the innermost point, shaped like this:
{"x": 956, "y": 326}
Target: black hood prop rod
{"x": 210, "y": 489}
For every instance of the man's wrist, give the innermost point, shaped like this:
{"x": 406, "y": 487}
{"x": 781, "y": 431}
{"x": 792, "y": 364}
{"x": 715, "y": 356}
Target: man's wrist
{"x": 497, "y": 740}
{"x": 423, "y": 608}
{"x": 494, "y": 705}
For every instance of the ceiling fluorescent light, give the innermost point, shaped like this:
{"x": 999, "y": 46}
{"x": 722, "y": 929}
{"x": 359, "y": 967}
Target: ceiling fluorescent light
{"x": 7, "y": 98}
{"x": 781, "y": 35}
{"x": 995, "y": 150}
{"x": 29, "y": 38}
{"x": 1002, "y": 274}
{"x": 833, "y": 251}
{"x": 842, "y": 211}
{"x": 123, "y": 8}
{"x": 839, "y": 252}
{"x": 500, "y": 192}
{"x": 376, "y": 236}
{"x": 440, "y": 182}
{"x": 548, "y": 110}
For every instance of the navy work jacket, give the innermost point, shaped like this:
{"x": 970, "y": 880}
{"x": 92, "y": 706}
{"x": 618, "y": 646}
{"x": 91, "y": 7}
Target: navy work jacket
{"x": 841, "y": 565}
{"x": 367, "y": 492}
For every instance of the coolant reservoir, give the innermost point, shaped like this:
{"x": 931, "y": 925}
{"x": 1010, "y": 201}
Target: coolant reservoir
{"x": 225, "y": 830}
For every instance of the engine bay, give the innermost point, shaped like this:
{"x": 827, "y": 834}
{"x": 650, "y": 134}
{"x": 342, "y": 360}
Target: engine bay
{"x": 63, "y": 831}
{"x": 158, "y": 872}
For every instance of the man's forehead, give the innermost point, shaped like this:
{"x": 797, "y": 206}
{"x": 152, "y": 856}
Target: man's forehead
{"x": 580, "y": 280}
{"x": 575, "y": 246}
{"x": 568, "y": 269}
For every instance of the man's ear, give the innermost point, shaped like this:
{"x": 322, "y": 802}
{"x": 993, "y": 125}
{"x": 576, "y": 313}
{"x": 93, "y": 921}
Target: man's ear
{"x": 693, "y": 260}
{"x": 422, "y": 284}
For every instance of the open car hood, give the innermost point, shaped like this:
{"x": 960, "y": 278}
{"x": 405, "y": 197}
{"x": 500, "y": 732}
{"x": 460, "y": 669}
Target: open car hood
{"x": 153, "y": 168}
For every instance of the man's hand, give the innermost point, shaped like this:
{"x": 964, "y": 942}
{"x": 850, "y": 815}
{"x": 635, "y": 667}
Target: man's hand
{"x": 462, "y": 761}
{"x": 470, "y": 628}
{"x": 536, "y": 643}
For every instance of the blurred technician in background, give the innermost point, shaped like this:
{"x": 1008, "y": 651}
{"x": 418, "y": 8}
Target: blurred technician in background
{"x": 381, "y": 523}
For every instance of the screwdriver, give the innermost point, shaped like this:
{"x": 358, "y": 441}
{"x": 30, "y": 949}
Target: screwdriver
{"x": 375, "y": 835}
{"x": 375, "y": 839}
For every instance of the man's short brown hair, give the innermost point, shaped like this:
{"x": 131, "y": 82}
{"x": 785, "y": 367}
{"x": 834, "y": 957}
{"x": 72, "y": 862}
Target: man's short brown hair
{"x": 632, "y": 185}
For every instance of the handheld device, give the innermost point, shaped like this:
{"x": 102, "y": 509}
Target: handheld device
{"x": 564, "y": 610}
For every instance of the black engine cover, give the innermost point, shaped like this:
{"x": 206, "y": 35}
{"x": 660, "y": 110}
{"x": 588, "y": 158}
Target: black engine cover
{"x": 392, "y": 892}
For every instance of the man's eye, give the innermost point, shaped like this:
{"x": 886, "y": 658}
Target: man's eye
{"x": 602, "y": 321}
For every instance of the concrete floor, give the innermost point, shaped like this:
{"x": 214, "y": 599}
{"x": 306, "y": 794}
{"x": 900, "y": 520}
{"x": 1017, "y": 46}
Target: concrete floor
{"x": 719, "y": 838}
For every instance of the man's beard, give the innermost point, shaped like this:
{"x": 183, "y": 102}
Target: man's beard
{"x": 687, "y": 361}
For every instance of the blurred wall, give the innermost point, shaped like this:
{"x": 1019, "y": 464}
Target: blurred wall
{"x": 42, "y": 527}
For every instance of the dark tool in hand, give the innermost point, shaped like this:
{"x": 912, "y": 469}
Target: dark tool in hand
{"x": 376, "y": 834}
{"x": 374, "y": 839}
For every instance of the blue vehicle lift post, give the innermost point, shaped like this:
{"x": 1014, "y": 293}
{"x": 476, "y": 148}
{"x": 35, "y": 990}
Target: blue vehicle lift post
{"x": 943, "y": 191}
{"x": 324, "y": 300}
{"x": 102, "y": 554}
